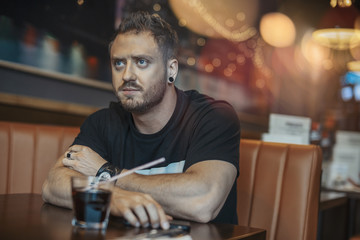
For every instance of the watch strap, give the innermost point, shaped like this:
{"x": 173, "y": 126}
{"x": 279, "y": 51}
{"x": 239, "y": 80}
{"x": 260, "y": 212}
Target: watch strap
{"x": 108, "y": 167}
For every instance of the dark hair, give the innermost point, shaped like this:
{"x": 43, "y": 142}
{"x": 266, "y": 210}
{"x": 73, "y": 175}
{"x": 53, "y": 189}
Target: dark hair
{"x": 164, "y": 35}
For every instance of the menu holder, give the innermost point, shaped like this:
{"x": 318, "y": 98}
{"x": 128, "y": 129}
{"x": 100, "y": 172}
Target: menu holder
{"x": 282, "y": 138}
{"x": 337, "y": 175}
{"x": 348, "y": 138}
{"x": 350, "y": 156}
{"x": 288, "y": 129}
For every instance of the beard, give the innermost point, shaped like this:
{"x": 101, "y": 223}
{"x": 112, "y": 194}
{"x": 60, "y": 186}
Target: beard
{"x": 147, "y": 100}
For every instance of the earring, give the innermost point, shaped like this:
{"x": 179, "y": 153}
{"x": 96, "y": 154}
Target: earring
{"x": 171, "y": 80}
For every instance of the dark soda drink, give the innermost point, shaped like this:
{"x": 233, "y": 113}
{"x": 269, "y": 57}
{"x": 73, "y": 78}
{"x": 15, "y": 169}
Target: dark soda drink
{"x": 91, "y": 206}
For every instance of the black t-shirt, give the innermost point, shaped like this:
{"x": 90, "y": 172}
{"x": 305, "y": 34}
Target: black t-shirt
{"x": 199, "y": 129}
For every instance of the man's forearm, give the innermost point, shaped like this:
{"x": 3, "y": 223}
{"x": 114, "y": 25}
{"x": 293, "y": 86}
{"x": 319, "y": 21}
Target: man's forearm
{"x": 137, "y": 208}
{"x": 57, "y": 187}
{"x": 171, "y": 196}
{"x": 198, "y": 194}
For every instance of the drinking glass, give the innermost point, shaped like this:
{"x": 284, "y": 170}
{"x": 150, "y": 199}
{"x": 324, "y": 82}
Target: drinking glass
{"x": 91, "y": 202}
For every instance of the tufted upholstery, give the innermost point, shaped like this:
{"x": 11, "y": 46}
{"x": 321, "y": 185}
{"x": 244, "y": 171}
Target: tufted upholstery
{"x": 27, "y": 152}
{"x": 278, "y": 189}
{"x": 278, "y": 186}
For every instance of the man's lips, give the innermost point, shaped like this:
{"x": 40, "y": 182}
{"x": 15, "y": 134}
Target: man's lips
{"x": 129, "y": 89}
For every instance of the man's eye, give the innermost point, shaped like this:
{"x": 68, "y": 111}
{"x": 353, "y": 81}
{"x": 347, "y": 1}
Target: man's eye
{"x": 118, "y": 63}
{"x": 142, "y": 62}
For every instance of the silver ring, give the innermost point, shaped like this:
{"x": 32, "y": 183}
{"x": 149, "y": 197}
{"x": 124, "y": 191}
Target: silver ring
{"x": 68, "y": 155}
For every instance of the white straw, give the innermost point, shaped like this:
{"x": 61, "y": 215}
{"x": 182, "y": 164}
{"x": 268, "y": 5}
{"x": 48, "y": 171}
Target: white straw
{"x": 146, "y": 165}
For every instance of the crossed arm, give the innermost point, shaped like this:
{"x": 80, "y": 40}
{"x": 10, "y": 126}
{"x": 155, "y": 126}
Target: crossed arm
{"x": 198, "y": 194}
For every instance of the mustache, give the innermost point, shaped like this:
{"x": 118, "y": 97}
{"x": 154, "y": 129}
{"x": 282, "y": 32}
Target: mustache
{"x": 130, "y": 85}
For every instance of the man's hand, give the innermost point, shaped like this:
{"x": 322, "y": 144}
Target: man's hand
{"x": 198, "y": 194}
{"x": 83, "y": 159}
{"x": 138, "y": 209}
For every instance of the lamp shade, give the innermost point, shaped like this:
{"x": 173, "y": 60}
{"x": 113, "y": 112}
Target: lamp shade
{"x": 353, "y": 66}
{"x": 337, "y": 38}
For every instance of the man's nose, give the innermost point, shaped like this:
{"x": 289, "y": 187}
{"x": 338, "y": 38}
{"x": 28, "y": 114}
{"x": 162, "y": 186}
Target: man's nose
{"x": 129, "y": 74}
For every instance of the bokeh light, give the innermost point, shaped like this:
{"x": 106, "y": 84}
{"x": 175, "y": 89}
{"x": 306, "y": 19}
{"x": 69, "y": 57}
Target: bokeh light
{"x": 201, "y": 42}
{"x": 191, "y": 61}
{"x": 337, "y": 38}
{"x": 277, "y": 29}
{"x": 204, "y": 17}
{"x": 313, "y": 52}
{"x": 353, "y": 66}
{"x": 157, "y": 7}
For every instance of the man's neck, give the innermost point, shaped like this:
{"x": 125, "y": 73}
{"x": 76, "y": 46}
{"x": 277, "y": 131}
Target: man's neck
{"x": 155, "y": 119}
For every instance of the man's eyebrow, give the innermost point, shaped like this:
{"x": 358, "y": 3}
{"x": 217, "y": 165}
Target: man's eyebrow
{"x": 114, "y": 58}
{"x": 140, "y": 56}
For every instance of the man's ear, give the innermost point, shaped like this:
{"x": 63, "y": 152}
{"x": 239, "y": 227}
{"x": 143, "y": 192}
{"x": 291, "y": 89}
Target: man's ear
{"x": 173, "y": 67}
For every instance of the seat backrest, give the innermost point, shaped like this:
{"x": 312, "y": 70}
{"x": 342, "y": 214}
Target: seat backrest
{"x": 28, "y": 151}
{"x": 279, "y": 189}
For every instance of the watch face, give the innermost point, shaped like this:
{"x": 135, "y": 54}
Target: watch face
{"x": 104, "y": 176}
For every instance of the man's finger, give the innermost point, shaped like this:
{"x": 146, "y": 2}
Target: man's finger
{"x": 71, "y": 154}
{"x": 160, "y": 212}
{"x": 153, "y": 215}
{"x": 131, "y": 218}
{"x": 164, "y": 219}
{"x": 70, "y": 163}
{"x": 76, "y": 148}
{"x": 68, "y": 154}
{"x": 142, "y": 215}
{"x": 67, "y": 162}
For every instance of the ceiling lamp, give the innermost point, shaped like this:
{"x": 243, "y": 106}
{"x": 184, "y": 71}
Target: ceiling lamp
{"x": 277, "y": 29}
{"x": 337, "y": 26}
{"x": 353, "y": 66}
{"x": 340, "y": 3}
{"x": 230, "y": 19}
{"x": 337, "y": 38}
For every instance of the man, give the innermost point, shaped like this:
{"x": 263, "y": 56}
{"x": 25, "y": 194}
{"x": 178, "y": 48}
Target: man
{"x": 198, "y": 136}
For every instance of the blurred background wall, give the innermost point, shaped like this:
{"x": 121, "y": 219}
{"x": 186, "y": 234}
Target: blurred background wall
{"x": 259, "y": 55}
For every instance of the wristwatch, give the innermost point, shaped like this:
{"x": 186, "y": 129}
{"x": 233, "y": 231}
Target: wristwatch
{"x": 107, "y": 171}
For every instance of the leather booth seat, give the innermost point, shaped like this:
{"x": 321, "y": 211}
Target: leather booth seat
{"x": 27, "y": 152}
{"x": 278, "y": 186}
{"x": 279, "y": 189}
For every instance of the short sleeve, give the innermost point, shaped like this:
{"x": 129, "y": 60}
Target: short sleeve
{"x": 216, "y": 136}
{"x": 92, "y": 134}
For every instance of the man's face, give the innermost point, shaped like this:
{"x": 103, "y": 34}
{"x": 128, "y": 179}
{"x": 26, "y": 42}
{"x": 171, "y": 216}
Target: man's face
{"x": 138, "y": 71}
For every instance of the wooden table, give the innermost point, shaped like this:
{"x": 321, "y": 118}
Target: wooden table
{"x": 355, "y": 194}
{"x": 26, "y": 216}
{"x": 353, "y": 213}
{"x": 330, "y": 200}
{"x": 332, "y": 222}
